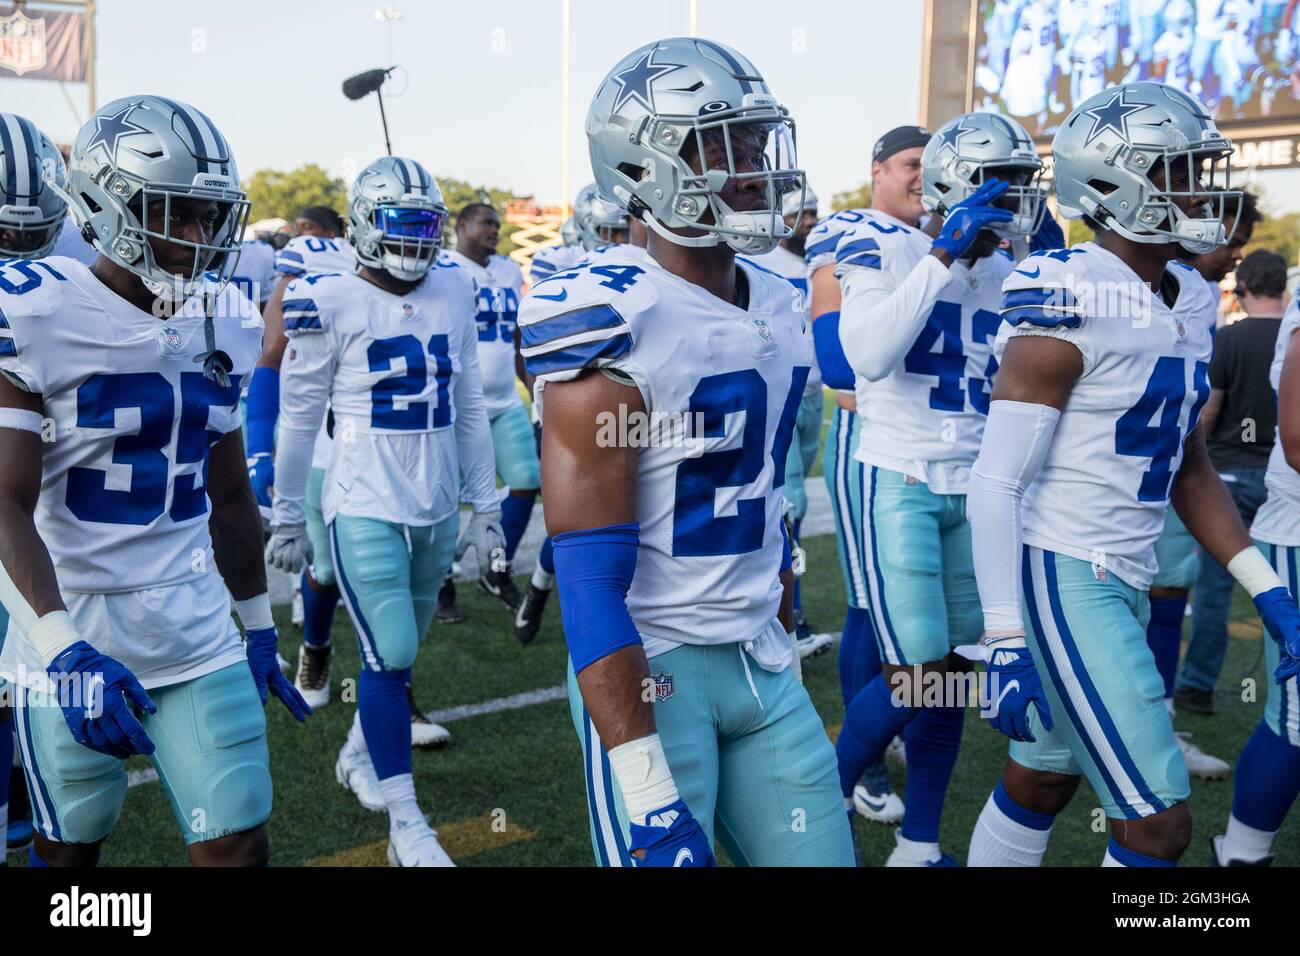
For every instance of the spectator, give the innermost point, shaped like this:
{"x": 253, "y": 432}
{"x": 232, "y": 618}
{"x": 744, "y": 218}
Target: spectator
{"x": 1214, "y": 266}
{"x": 1239, "y": 420}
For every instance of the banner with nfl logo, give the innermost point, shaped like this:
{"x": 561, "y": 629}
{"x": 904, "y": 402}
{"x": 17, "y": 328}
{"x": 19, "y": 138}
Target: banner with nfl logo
{"x": 42, "y": 45}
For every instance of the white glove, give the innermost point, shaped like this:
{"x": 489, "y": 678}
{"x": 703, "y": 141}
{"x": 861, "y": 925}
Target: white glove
{"x": 289, "y": 548}
{"x": 484, "y": 535}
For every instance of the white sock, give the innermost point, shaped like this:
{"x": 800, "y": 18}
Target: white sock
{"x": 542, "y": 580}
{"x": 1245, "y": 843}
{"x": 999, "y": 840}
{"x": 914, "y": 852}
{"x": 399, "y": 794}
{"x": 356, "y": 737}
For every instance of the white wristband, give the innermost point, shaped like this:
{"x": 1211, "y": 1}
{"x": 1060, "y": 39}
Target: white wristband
{"x": 21, "y": 420}
{"x": 1253, "y": 572}
{"x": 641, "y": 770}
{"x": 255, "y": 613}
{"x": 53, "y": 634}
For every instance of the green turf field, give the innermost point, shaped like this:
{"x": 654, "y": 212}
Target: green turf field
{"x": 508, "y": 791}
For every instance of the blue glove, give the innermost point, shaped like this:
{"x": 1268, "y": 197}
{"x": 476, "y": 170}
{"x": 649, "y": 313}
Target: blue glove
{"x": 1277, "y": 609}
{"x": 1048, "y": 236}
{"x": 261, "y": 474}
{"x": 969, "y": 217}
{"x": 95, "y": 694}
{"x": 1012, "y": 677}
{"x": 260, "y": 646}
{"x": 673, "y": 838}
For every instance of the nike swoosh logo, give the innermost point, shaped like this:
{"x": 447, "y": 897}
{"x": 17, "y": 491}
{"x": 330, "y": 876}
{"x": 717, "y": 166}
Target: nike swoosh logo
{"x": 684, "y": 856}
{"x": 874, "y": 804}
{"x": 564, "y": 294}
{"x": 1032, "y": 275}
{"x": 997, "y": 704}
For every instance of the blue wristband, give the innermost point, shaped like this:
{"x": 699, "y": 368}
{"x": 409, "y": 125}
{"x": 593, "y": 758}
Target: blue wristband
{"x": 263, "y": 409}
{"x": 834, "y": 365}
{"x": 593, "y": 570}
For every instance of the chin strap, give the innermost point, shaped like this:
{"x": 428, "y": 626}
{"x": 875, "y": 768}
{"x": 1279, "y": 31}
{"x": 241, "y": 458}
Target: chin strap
{"x": 217, "y": 365}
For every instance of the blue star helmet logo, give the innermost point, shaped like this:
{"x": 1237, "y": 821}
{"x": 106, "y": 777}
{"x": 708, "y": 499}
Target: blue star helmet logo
{"x": 954, "y": 132}
{"x": 634, "y": 82}
{"x": 1113, "y": 116}
{"x": 110, "y": 129}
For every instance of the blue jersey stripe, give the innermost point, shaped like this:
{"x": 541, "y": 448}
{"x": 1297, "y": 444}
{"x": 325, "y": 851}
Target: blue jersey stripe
{"x": 592, "y": 319}
{"x": 1035, "y": 315}
{"x": 821, "y": 246}
{"x": 579, "y": 356}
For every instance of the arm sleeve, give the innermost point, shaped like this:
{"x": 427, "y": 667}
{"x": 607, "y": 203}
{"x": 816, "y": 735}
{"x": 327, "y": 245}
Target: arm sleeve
{"x": 263, "y": 408}
{"x": 473, "y": 431}
{"x": 306, "y": 379}
{"x": 831, "y": 360}
{"x": 881, "y": 317}
{"x": 1017, "y": 437}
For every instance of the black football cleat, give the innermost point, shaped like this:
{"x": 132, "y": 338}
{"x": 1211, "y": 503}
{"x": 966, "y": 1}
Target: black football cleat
{"x": 528, "y": 617}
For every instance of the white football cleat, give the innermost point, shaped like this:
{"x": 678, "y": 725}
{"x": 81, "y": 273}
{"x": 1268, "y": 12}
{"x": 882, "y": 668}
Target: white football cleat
{"x": 415, "y": 843}
{"x": 424, "y": 732}
{"x": 908, "y": 853}
{"x": 813, "y": 644}
{"x": 878, "y": 807}
{"x": 355, "y": 771}
{"x": 1199, "y": 763}
{"x": 313, "y": 677}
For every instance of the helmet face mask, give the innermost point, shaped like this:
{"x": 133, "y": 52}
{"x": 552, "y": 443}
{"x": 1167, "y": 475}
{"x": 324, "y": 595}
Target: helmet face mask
{"x": 177, "y": 263}
{"x": 396, "y": 217}
{"x": 597, "y": 220}
{"x": 685, "y": 134}
{"x": 32, "y": 208}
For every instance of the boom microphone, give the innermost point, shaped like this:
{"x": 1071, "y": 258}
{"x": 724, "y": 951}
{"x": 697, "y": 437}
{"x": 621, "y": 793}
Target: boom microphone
{"x": 363, "y": 84}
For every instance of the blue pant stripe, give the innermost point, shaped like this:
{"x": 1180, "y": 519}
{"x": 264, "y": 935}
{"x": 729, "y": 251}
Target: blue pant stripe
{"x": 365, "y": 637}
{"x": 1288, "y": 719}
{"x": 844, "y": 523}
{"x": 46, "y": 817}
{"x": 616, "y": 828}
{"x": 889, "y": 647}
{"x": 600, "y": 795}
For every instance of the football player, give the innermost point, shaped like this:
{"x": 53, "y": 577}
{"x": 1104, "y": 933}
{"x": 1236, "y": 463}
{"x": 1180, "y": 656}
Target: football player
{"x": 787, "y": 261}
{"x": 1268, "y": 770}
{"x": 917, "y": 318}
{"x": 392, "y": 351}
{"x": 32, "y": 217}
{"x": 120, "y": 589}
{"x": 556, "y": 258}
{"x": 669, "y": 553}
{"x": 1172, "y": 53}
{"x": 1092, "y": 428}
{"x": 500, "y": 284}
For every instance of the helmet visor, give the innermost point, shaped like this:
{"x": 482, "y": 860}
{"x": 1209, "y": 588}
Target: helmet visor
{"x": 402, "y": 222}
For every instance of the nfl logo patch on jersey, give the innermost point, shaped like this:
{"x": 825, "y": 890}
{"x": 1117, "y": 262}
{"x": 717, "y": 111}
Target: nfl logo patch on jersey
{"x": 763, "y": 329}
{"x": 663, "y": 687}
{"x": 172, "y": 339}
{"x": 408, "y": 312}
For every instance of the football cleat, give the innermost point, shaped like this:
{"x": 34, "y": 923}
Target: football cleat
{"x": 1216, "y": 856}
{"x": 415, "y": 843}
{"x": 448, "y": 612}
{"x": 313, "y": 677}
{"x": 424, "y": 732}
{"x": 500, "y": 585}
{"x": 884, "y": 807}
{"x": 1199, "y": 763}
{"x": 528, "y": 616}
{"x": 355, "y": 771}
{"x": 904, "y": 854}
{"x": 813, "y": 644}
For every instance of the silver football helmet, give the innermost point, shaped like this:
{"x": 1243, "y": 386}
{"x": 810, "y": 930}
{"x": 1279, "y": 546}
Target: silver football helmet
{"x": 975, "y": 147}
{"x": 396, "y": 217}
{"x": 130, "y": 162}
{"x": 676, "y": 121}
{"x": 1112, "y": 145}
{"x": 569, "y": 235}
{"x": 31, "y": 212}
{"x": 596, "y": 219}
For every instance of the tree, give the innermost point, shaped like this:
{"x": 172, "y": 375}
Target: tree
{"x": 1077, "y": 231}
{"x": 277, "y": 195}
{"x": 859, "y": 198}
{"x": 1278, "y": 233}
{"x": 458, "y": 194}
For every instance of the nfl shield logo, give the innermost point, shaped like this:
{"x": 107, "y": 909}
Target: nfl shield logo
{"x": 22, "y": 43}
{"x": 763, "y": 328}
{"x": 172, "y": 338}
{"x": 663, "y": 687}
{"x": 408, "y": 312}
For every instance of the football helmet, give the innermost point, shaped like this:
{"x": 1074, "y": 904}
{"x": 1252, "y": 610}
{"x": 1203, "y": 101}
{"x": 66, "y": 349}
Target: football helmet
{"x": 30, "y": 210}
{"x": 141, "y": 151}
{"x": 596, "y": 219}
{"x": 1109, "y": 147}
{"x": 973, "y": 148}
{"x": 396, "y": 217}
{"x": 569, "y": 235}
{"x": 795, "y": 203}
{"x": 674, "y": 104}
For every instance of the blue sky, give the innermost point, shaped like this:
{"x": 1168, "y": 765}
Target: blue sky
{"x": 481, "y": 96}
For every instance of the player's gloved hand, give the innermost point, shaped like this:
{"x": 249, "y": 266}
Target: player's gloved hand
{"x": 289, "y": 548}
{"x": 261, "y": 473}
{"x": 1048, "y": 236}
{"x": 95, "y": 694}
{"x": 1013, "y": 678}
{"x": 671, "y": 837}
{"x": 484, "y": 535}
{"x": 967, "y": 218}
{"x": 1277, "y": 609}
{"x": 260, "y": 646}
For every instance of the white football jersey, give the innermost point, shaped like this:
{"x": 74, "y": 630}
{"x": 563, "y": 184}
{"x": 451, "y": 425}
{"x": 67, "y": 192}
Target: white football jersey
{"x": 1278, "y": 519}
{"x": 1088, "y": 65}
{"x": 1175, "y": 48}
{"x": 255, "y": 273}
{"x": 1105, "y": 485}
{"x": 549, "y": 260}
{"x": 1029, "y": 68}
{"x": 926, "y": 417}
{"x": 791, "y": 267}
{"x": 124, "y": 503}
{"x": 500, "y": 285}
{"x": 723, "y": 385}
{"x": 395, "y": 370}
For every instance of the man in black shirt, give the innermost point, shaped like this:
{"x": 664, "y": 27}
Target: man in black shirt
{"x": 1239, "y": 421}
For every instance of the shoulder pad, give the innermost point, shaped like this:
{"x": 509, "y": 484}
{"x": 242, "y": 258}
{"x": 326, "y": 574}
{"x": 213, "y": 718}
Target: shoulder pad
{"x": 1041, "y": 289}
